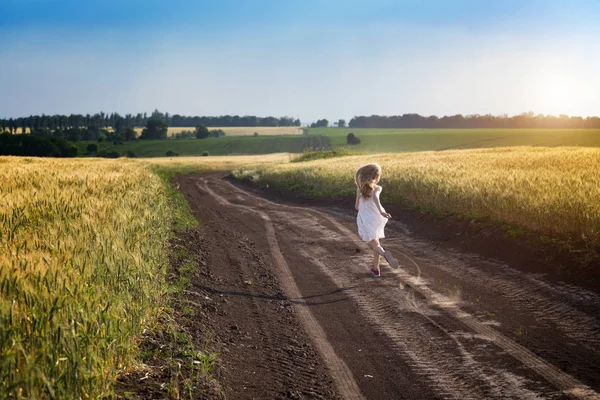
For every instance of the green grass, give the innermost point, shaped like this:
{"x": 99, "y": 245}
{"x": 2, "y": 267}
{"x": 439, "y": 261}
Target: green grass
{"x": 410, "y": 140}
{"x": 214, "y": 146}
{"x": 168, "y": 346}
{"x": 181, "y": 213}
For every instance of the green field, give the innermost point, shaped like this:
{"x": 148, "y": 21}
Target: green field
{"x": 214, "y": 146}
{"x": 408, "y": 140}
{"x": 372, "y": 141}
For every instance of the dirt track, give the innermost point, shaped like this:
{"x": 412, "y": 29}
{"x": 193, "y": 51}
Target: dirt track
{"x": 296, "y": 314}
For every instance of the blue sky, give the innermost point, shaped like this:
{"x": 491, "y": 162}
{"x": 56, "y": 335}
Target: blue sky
{"x": 312, "y": 58}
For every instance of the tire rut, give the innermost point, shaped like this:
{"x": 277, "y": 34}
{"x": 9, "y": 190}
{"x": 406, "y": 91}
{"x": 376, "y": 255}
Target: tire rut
{"x": 280, "y": 364}
{"x": 343, "y": 379}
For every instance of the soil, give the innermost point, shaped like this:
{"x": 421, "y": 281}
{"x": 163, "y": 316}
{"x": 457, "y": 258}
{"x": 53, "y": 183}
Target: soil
{"x": 284, "y": 296}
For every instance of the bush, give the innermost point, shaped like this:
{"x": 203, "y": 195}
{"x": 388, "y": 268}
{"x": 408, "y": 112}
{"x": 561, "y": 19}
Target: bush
{"x": 351, "y": 139}
{"x": 130, "y": 154}
{"x": 217, "y": 133}
{"x": 92, "y": 148}
{"x": 185, "y": 135}
{"x": 202, "y": 132}
{"x": 113, "y": 154}
{"x": 205, "y": 153}
{"x": 37, "y": 146}
{"x": 255, "y": 134}
{"x": 171, "y": 153}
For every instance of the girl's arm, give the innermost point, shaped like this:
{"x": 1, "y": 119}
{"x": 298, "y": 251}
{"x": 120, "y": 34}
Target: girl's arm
{"x": 380, "y": 209}
{"x": 357, "y": 199}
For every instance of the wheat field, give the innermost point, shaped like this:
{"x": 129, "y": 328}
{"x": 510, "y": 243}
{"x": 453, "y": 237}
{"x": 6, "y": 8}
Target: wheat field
{"x": 548, "y": 190}
{"x": 84, "y": 253}
{"x": 82, "y": 263}
{"x": 82, "y": 267}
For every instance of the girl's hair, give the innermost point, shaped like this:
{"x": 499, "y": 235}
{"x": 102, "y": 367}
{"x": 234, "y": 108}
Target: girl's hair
{"x": 365, "y": 176}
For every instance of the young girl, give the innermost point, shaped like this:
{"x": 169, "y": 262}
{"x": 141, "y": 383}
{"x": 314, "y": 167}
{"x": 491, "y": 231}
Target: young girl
{"x": 371, "y": 217}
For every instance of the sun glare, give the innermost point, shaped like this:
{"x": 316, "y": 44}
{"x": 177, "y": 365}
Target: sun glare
{"x": 559, "y": 93}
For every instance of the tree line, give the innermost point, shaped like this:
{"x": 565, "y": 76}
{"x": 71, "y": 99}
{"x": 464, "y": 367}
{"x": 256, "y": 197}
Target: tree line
{"x": 525, "y": 120}
{"x": 41, "y": 123}
{"x": 35, "y": 146}
{"x": 118, "y": 127}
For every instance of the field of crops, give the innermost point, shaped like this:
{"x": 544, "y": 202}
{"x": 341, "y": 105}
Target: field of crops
{"x": 407, "y": 140}
{"x": 212, "y": 146}
{"x": 548, "y": 190}
{"x": 82, "y": 267}
{"x": 372, "y": 141}
{"x": 82, "y": 262}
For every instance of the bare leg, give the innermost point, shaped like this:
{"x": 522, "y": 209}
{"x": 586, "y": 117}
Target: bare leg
{"x": 375, "y": 260}
{"x": 377, "y": 247}
{"x": 377, "y": 253}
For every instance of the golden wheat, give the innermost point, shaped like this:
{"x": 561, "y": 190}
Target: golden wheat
{"x": 549, "y": 190}
{"x": 82, "y": 263}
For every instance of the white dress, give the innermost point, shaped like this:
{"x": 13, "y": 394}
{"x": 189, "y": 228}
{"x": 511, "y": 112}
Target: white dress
{"x": 369, "y": 220}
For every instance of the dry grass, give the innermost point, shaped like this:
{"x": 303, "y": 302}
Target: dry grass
{"x": 548, "y": 190}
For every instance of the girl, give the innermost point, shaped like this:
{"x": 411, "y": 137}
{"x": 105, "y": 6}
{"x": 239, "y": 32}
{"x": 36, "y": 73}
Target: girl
{"x": 371, "y": 217}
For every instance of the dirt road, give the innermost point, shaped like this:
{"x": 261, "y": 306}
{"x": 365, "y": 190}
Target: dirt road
{"x": 296, "y": 314}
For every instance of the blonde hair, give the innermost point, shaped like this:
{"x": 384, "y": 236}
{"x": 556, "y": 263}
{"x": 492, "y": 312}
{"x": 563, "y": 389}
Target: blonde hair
{"x": 364, "y": 178}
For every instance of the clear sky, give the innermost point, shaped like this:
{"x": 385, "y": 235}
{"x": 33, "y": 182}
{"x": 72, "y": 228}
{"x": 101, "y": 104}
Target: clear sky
{"x": 302, "y": 58}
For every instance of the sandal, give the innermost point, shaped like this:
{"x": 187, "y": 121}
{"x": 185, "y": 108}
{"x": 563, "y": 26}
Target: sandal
{"x": 391, "y": 260}
{"x": 374, "y": 271}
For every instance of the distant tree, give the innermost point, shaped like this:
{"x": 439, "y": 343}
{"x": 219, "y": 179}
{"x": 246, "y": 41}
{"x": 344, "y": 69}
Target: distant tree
{"x": 322, "y": 123}
{"x": 129, "y": 134}
{"x": 158, "y": 116}
{"x": 255, "y": 134}
{"x": 171, "y": 153}
{"x": 92, "y": 148}
{"x": 130, "y": 154}
{"x": 341, "y": 123}
{"x": 205, "y": 153}
{"x": 155, "y": 129}
{"x": 202, "y": 132}
{"x": 31, "y": 145}
{"x": 351, "y": 139}
{"x": 217, "y": 133}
